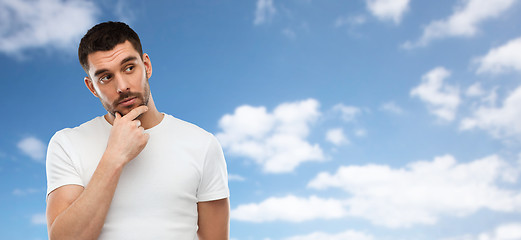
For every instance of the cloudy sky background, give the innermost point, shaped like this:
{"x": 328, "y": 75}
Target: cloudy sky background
{"x": 362, "y": 119}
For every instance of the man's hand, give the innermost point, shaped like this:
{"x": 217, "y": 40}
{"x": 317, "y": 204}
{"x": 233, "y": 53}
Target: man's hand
{"x": 127, "y": 137}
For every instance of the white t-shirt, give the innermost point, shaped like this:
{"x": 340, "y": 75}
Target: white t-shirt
{"x": 157, "y": 193}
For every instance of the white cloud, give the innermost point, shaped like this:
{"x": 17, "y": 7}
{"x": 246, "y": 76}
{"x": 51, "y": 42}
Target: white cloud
{"x": 442, "y": 99}
{"x": 463, "y": 22}
{"x": 289, "y": 33}
{"x": 235, "y": 177}
{"x": 24, "y": 192}
{"x": 348, "y": 113}
{"x": 491, "y": 97}
{"x": 349, "y": 234}
{"x": 500, "y": 121}
{"x": 33, "y": 148}
{"x": 39, "y": 219}
{"x": 501, "y": 59}
{"x": 423, "y": 191}
{"x": 277, "y": 140}
{"x": 508, "y": 231}
{"x": 475, "y": 90}
{"x": 391, "y": 107}
{"x": 125, "y": 11}
{"x": 486, "y": 97}
{"x": 336, "y": 136}
{"x": 385, "y": 10}
{"x": 360, "y": 132}
{"x": 43, "y": 23}
{"x": 264, "y": 11}
{"x": 350, "y": 21}
{"x": 289, "y": 208}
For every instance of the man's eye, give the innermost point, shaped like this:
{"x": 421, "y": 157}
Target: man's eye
{"x": 129, "y": 68}
{"x": 104, "y": 78}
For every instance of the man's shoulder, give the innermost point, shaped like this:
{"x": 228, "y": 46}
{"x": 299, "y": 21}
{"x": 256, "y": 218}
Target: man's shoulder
{"x": 89, "y": 127}
{"x": 186, "y": 128}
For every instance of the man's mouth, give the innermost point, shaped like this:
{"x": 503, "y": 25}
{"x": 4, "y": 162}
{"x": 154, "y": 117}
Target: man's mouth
{"x": 127, "y": 101}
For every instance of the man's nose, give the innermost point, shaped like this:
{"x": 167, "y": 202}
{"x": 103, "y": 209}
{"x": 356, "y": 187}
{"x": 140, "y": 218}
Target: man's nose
{"x": 121, "y": 84}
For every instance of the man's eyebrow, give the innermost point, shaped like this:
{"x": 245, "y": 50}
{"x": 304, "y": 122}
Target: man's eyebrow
{"x": 99, "y": 72}
{"x": 127, "y": 59}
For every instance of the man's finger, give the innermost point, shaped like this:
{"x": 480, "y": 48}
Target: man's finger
{"x": 134, "y": 113}
{"x": 117, "y": 115}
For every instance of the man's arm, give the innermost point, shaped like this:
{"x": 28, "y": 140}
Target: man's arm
{"x": 214, "y": 219}
{"x": 77, "y": 213}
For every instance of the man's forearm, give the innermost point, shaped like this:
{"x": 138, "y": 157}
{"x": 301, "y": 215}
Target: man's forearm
{"x": 85, "y": 217}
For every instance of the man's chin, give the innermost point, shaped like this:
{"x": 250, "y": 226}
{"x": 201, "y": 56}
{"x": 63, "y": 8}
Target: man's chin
{"x": 122, "y": 112}
{"x": 126, "y": 110}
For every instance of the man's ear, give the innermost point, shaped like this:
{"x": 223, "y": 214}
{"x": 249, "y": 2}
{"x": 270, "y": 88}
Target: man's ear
{"x": 90, "y": 86}
{"x": 148, "y": 65}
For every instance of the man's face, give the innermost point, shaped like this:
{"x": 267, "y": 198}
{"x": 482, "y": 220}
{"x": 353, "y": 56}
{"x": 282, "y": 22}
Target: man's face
{"x": 119, "y": 78}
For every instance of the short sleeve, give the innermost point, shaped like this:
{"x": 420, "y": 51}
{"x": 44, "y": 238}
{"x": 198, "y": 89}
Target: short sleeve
{"x": 214, "y": 181}
{"x": 59, "y": 165}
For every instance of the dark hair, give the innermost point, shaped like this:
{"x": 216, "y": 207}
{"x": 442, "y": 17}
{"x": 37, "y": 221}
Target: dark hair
{"x": 104, "y": 37}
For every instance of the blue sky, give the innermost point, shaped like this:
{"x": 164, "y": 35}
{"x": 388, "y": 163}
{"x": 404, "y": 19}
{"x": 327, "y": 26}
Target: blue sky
{"x": 362, "y": 119}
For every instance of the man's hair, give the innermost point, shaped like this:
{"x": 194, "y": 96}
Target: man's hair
{"x": 104, "y": 37}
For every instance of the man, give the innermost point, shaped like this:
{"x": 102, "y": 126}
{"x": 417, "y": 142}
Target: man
{"x": 134, "y": 173}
